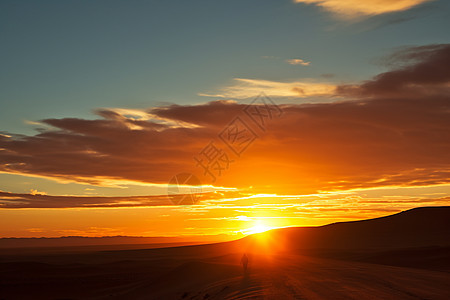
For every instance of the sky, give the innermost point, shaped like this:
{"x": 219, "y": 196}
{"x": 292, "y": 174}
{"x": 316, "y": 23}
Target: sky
{"x": 117, "y": 116}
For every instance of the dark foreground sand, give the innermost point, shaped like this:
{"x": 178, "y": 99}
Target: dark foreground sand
{"x": 210, "y": 277}
{"x": 295, "y": 277}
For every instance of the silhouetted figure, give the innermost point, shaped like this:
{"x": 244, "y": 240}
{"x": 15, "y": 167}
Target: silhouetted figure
{"x": 244, "y": 262}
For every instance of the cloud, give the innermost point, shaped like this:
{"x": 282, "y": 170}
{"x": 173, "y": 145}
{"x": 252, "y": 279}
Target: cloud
{"x": 392, "y": 130}
{"x": 41, "y": 200}
{"x": 348, "y": 9}
{"x": 38, "y": 200}
{"x": 97, "y": 151}
{"x": 36, "y": 192}
{"x": 246, "y": 88}
{"x": 298, "y": 61}
{"x": 244, "y": 205}
{"x": 420, "y": 71}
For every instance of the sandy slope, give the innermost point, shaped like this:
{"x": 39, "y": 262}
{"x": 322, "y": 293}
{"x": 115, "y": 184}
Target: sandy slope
{"x": 293, "y": 277}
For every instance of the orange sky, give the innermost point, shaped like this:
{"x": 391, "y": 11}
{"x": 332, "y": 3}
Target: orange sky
{"x": 231, "y": 213}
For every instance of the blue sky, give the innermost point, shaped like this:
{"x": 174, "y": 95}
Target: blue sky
{"x": 61, "y": 59}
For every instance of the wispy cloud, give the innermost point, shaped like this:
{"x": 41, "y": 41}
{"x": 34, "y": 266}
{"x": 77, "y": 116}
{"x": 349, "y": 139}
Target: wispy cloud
{"x": 246, "y": 88}
{"x": 349, "y": 9}
{"x": 298, "y": 61}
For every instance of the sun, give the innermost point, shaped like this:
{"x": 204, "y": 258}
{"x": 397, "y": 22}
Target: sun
{"x": 259, "y": 227}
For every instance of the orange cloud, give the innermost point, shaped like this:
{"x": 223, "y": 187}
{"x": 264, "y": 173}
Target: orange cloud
{"x": 298, "y": 61}
{"x": 354, "y": 8}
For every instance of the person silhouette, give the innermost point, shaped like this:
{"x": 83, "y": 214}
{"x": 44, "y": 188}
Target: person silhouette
{"x": 244, "y": 262}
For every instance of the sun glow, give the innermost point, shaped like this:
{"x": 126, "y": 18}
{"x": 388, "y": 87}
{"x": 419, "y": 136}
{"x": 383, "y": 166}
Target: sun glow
{"x": 259, "y": 227}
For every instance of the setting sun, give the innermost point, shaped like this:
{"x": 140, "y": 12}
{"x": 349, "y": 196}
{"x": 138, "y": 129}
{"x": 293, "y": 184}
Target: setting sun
{"x": 257, "y": 228}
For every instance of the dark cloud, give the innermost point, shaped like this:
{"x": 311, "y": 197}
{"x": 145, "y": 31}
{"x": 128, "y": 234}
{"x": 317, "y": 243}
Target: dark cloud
{"x": 36, "y": 200}
{"x": 395, "y": 131}
{"x": 85, "y": 150}
{"x": 213, "y": 114}
{"x": 423, "y": 71}
{"x": 14, "y": 200}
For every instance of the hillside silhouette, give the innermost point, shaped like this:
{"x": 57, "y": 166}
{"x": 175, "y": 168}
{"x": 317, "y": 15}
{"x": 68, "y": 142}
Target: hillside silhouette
{"x": 418, "y": 227}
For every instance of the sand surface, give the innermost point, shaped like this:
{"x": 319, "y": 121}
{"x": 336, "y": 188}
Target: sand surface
{"x": 294, "y": 277}
{"x": 214, "y": 277}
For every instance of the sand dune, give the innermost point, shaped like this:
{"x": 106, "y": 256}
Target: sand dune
{"x": 419, "y": 227}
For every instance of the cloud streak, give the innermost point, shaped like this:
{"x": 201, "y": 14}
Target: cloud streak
{"x": 246, "y": 88}
{"x": 298, "y": 61}
{"x": 349, "y": 9}
{"x": 35, "y": 200}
